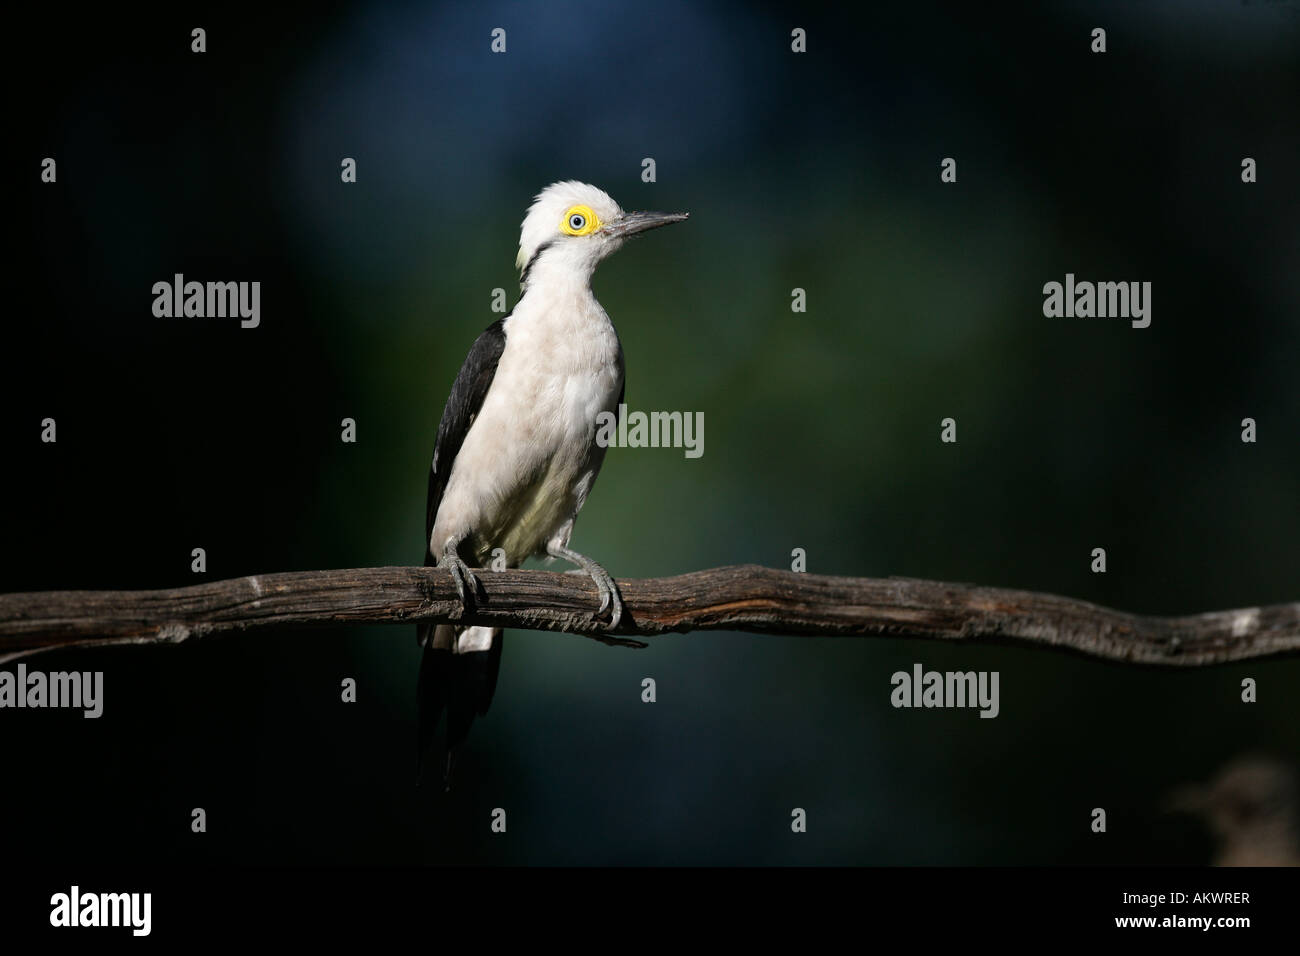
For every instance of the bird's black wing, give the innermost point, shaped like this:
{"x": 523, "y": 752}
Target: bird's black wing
{"x": 462, "y": 684}
{"x": 463, "y": 404}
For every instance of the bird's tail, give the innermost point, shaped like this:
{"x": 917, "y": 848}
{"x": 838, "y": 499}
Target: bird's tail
{"x": 458, "y": 675}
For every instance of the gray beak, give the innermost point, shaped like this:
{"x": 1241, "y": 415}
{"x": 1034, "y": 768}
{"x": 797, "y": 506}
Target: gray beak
{"x": 633, "y": 222}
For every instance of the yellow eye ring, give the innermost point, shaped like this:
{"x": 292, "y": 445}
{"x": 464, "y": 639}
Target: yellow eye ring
{"x": 579, "y": 221}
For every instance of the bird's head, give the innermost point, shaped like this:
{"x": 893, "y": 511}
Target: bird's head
{"x": 572, "y": 226}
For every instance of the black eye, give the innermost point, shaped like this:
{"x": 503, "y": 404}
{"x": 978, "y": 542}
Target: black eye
{"x": 577, "y": 221}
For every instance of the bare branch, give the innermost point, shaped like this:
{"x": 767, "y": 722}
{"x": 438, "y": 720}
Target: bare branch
{"x": 745, "y": 598}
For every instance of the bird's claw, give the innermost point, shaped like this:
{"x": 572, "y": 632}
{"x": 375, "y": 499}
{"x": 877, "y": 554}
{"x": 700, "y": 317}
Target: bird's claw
{"x": 462, "y": 576}
{"x": 610, "y": 599}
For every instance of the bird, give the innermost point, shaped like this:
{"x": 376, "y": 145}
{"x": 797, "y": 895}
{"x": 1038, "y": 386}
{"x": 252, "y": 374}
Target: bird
{"x": 1252, "y": 806}
{"x": 516, "y": 452}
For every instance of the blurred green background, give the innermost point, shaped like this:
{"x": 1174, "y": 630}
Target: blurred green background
{"x": 818, "y": 171}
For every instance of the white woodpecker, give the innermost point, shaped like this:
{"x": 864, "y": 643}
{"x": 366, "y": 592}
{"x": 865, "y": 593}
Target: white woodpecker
{"x": 516, "y": 453}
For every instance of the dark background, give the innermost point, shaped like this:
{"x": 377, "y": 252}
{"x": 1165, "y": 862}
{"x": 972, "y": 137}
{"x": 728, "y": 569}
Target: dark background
{"x": 822, "y": 429}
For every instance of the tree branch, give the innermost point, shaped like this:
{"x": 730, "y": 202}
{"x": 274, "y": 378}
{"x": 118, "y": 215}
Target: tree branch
{"x": 746, "y": 598}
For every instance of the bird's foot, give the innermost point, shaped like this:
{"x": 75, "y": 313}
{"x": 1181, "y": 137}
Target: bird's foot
{"x": 462, "y": 575}
{"x": 610, "y": 599}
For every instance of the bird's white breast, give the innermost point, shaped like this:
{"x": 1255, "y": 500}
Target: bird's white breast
{"x": 523, "y": 469}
